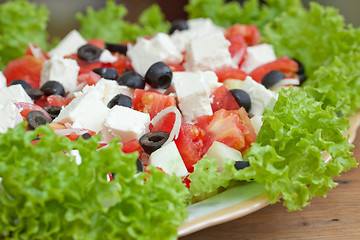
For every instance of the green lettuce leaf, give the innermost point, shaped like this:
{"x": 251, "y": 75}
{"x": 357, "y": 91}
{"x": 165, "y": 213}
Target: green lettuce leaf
{"x": 251, "y": 12}
{"x": 21, "y": 23}
{"x": 109, "y": 24}
{"x": 313, "y": 36}
{"x": 44, "y": 194}
{"x": 287, "y": 155}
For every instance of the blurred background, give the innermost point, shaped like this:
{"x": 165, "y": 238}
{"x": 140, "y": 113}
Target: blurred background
{"x": 62, "y": 18}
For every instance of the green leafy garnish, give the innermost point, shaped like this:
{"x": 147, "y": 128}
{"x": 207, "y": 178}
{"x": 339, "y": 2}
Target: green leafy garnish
{"x": 44, "y": 194}
{"x": 109, "y": 24}
{"x": 287, "y": 155}
{"x": 21, "y": 23}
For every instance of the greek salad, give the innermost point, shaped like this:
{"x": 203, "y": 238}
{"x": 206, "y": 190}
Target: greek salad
{"x": 106, "y": 138}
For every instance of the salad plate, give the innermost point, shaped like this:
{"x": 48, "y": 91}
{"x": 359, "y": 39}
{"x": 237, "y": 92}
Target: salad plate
{"x": 238, "y": 201}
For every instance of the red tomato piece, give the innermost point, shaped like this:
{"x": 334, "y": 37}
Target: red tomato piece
{"x": 36, "y": 51}
{"x": 165, "y": 124}
{"x": 56, "y": 100}
{"x": 250, "y": 33}
{"x": 283, "y": 64}
{"x": 237, "y": 48}
{"x": 27, "y": 68}
{"x": 89, "y": 78}
{"x": 97, "y": 42}
{"x": 230, "y": 73}
{"x": 132, "y": 146}
{"x": 25, "y": 108}
{"x": 223, "y": 99}
{"x": 122, "y": 63}
{"x": 189, "y": 144}
{"x": 227, "y": 127}
{"x": 151, "y": 102}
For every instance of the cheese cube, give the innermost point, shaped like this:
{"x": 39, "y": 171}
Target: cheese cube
{"x": 10, "y": 116}
{"x": 107, "y": 57}
{"x": 65, "y": 71}
{"x": 68, "y": 45}
{"x": 125, "y": 123}
{"x": 147, "y": 52}
{"x": 260, "y": 96}
{"x": 88, "y": 110}
{"x": 209, "y": 52}
{"x": 2, "y": 80}
{"x": 193, "y": 93}
{"x": 258, "y": 55}
{"x": 14, "y": 93}
{"x": 169, "y": 160}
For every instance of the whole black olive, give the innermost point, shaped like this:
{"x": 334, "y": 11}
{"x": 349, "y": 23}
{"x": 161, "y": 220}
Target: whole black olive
{"x": 159, "y": 75}
{"x": 53, "y": 88}
{"x": 107, "y": 73}
{"x": 131, "y": 79}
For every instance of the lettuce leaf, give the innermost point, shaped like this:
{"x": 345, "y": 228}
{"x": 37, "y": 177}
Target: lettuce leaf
{"x": 21, "y": 22}
{"x": 251, "y": 12}
{"x": 109, "y": 24}
{"x": 313, "y": 36}
{"x": 287, "y": 155}
{"x": 44, "y": 194}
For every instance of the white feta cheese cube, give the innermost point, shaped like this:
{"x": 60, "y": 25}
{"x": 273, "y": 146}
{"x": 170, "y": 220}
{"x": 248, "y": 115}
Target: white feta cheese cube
{"x": 68, "y": 45}
{"x": 88, "y": 110}
{"x": 2, "y": 80}
{"x": 258, "y": 55}
{"x": 169, "y": 160}
{"x": 261, "y": 97}
{"x": 209, "y": 52}
{"x": 14, "y": 93}
{"x": 193, "y": 94}
{"x": 63, "y": 70}
{"x": 9, "y": 117}
{"x": 256, "y": 122}
{"x": 211, "y": 80}
{"x": 125, "y": 123}
{"x": 107, "y": 57}
{"x": 147, "y": 52}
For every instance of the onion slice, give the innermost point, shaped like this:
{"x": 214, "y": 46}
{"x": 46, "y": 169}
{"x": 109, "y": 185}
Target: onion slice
{"x": 177, "y": 124}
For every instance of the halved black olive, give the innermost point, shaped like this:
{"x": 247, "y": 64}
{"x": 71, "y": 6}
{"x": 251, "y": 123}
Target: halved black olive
{"x": 116, "y": 47}
{"x": 139, "y": 165}
{"x": 241, "y": 165}
{"x": 132, "y": 80}
{"x": 121, "y": 100}
{"x": 37, "y": 118}
{"x": 271, "y": 78}
{"x": 24, "y": 84}
{"x": 302, "y": 78}
{"x": 85, "y": 136}
{"x": 152, "y": 141}
{"x": 159, "y": 75}
{"x": 242, "y": 98}
{"x": 34, "y": 93}
{"x": 178, "y": 25}
{"x": 53, "y": 111}
{"x": 107, "y": 73}
{"x": 89, "y": 53}
{"x": 301, "y": 66}
{"x": 53, "y": 88}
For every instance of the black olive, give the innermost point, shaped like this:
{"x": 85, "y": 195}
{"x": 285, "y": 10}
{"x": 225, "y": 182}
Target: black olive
{"x": 241, "y": 165}
{"x": 85, "y": 136}
{"x": 242, "y": 98}
{"x": 107, "y": 73}
{"x": 121, "y": 100}
{"x": 24, "y": 84}
{"x": 271, "y": 78}
{"x": 301, "y": 66}
{"x": 34, "y": 93}
{"x": 37, "y": 118}
{"x": 152, "y": 141}
{"x": 53, "y": 88}
{"x": 89, "y": 53}
{"x": 159, "y": 75}
{"x": 131, "y": 79}
{"x": 178, "y": 25}
{"x": 302, "y": 78}
{"x": 139, "y": 165}
{"x": 116, "y": 47}
{"x": 53, "y": 111}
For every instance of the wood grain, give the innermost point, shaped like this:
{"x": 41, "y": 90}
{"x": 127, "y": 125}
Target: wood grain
{"x": 334, "y": 217}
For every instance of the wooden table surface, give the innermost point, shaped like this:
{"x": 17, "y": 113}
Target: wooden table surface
{"x": 334, "y": 217}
